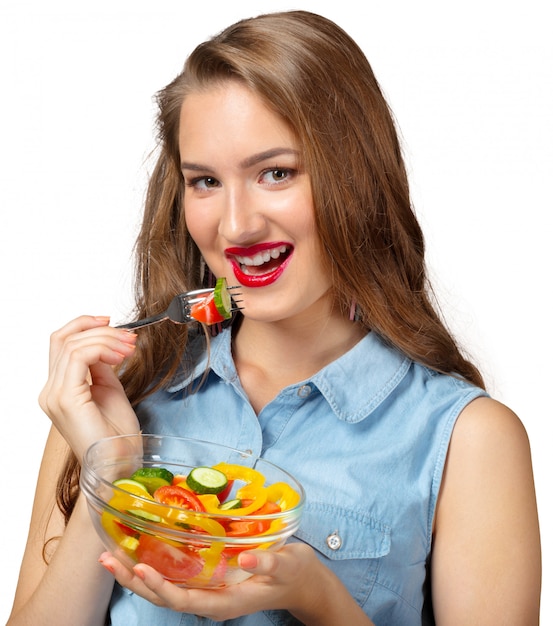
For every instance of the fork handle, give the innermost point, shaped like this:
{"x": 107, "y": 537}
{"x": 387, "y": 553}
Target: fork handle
{"x": 145, "y": 322}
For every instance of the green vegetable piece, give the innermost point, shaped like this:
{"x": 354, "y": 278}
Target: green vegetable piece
{"x": 236, "y": 503}
{"x": 132, "y": 486}
{"x": 221, "y": 298}
{"x": 206, "y": 480}
{"x": 153, "y": 477}
{"x": 145, "y": 515}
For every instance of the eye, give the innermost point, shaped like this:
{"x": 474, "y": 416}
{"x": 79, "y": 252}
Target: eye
{"x": 203, "y": 183}
{"x": 277, "y": 175}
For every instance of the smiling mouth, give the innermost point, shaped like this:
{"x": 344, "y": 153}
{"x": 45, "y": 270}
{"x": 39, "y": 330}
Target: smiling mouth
{"x": 264, "y": 261}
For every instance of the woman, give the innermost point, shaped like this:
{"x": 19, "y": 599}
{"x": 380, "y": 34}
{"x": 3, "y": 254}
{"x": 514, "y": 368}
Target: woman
{"x": 280, "y": 168}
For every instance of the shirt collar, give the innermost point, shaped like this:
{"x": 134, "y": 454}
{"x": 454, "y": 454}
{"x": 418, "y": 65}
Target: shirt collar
{"x": 354, "y": 385}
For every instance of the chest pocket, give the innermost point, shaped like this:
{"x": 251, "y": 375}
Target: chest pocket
{"x": 349, "y": 542}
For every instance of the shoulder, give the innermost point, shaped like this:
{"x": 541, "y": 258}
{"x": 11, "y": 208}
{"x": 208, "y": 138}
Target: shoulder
{"x": 489, "y": 445}
{"x": 486, "y": 525}
{"x": 488, "y": 485}
{"x": 488, "y": 471}
{"x": 486, "y": 427}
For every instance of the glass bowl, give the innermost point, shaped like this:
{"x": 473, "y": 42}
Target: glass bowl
{"x": 259, "y": 507}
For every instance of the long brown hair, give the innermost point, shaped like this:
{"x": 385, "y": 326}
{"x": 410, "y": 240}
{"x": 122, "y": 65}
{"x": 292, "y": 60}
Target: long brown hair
{"x": 312, "y": 74}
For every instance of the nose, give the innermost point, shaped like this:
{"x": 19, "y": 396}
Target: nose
{"x": 242, "y": 219}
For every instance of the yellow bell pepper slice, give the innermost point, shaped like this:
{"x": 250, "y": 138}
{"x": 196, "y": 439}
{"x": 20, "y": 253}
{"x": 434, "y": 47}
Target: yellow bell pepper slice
{"x": 253, "y": 489}
{"x": 180, "y": 518}
{"x": 241, "y": 472}
{"x": 210, "y": 555}
{"x": 210, "y": 502}
{"x": 127, "y": 503}
{"x": 282, "y": 494}
{"x": 112, "y": 526}
{"x": 212, "y": 558}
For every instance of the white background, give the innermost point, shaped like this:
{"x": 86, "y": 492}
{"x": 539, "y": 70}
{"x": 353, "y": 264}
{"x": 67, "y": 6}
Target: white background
{"x": 471, "y": 86}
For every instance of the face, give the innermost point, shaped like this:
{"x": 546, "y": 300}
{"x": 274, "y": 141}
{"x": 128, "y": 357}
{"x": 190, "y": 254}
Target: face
{"x": 248, "y": 203}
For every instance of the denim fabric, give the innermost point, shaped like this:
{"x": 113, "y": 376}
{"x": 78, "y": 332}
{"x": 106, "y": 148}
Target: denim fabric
{"x": 367, "y": 436}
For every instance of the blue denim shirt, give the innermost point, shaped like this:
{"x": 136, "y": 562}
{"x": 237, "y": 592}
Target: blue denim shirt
{"x": 367, "y": 436}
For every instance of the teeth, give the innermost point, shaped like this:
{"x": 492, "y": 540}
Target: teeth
{"x": 261, "y": 257}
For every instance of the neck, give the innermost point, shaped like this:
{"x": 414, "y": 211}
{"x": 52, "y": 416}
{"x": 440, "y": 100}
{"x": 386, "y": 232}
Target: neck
{"x": 271, "y": 356}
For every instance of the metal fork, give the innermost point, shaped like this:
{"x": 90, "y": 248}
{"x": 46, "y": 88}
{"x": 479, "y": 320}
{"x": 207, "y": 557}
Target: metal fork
{"x": 178, "y": 310}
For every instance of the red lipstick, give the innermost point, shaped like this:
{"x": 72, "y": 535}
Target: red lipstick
{"x": 252, "y": 274}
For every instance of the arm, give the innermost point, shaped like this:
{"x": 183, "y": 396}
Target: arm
{"x": 72, "y": 588}
{"x": 486, "y": 564}
{"x": 85, "y": 401}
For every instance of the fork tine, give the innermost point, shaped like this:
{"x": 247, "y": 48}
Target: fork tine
{"x": 189, "y": 301}
{"x": 188, "y": 295}
{"x": 196, "y": 292}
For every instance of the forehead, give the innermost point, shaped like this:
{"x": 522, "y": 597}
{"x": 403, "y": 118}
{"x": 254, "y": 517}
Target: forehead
{"x": 230, "y": 114}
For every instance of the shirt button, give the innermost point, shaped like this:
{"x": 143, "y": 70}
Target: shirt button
{"x": 304, "y": 391}
{"x": 334, "y": 541}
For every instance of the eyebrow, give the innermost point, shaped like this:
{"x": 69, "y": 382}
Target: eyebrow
{"x": 250, "y": 161}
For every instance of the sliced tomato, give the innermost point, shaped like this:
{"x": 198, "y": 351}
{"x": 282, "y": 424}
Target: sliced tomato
{"x": 206, "y": 311}
{"x": 226, "y": 491}
{"x": 250, "y": 528}
{"x": 176, "y": 564}
{"x": 247, "y": 529}
{"x": 175, "y": 495}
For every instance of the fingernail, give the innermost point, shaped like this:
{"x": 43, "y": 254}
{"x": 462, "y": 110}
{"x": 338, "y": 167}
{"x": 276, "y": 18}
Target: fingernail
{"x": 139, "y": 573}
{"x": 106, "y": 566}
{"x": 247, "y": 561}
{"x": 128, "y": 336}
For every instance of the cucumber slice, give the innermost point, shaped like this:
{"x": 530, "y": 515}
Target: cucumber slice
{"x": 153, "y": 477}
{"x": 221, "y": 298}
{"x": 231, "y": 504}
{"x": 145, "y": 515}
{"x": 132, "y": 486}
{"x": 206, "y": 480}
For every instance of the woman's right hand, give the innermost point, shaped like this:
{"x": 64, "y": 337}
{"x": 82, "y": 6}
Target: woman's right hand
{"x": 83, "y": 396}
